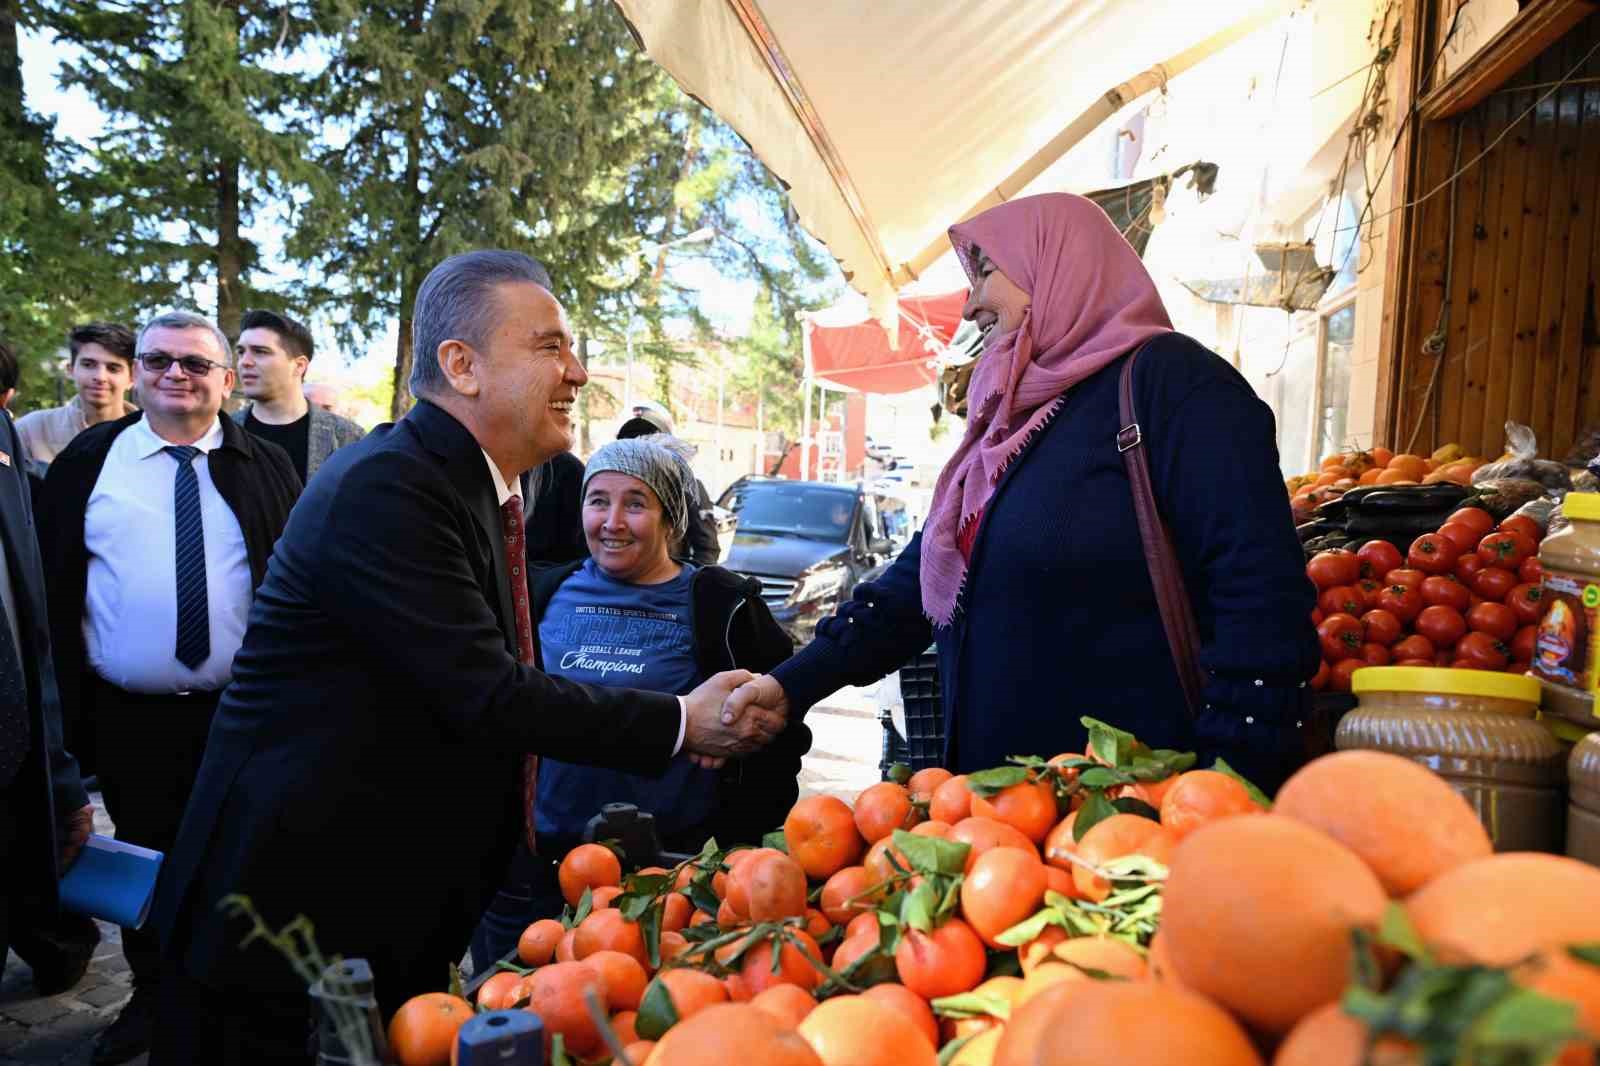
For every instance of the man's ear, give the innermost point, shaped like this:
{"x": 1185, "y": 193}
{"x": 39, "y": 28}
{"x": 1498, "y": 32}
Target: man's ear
{"x": 6, "y": 398}
{"x": 460, "y": 363}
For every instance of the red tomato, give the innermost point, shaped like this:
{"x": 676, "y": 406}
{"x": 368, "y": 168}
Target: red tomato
{"x": 1383, "y": 627}
{"x": 1378, "y": 557}
{"x": 1464, "y": 539}
{"x": 1528, "y": 603}
{"x": 1342, "y": 599}
{"x": 1531, "y": 571}
{"x": 1343, "y": 670}
{"x": 1429, "y": 663}
{"x": 1520, "y": 523}
{"x": 1474, "y": 518}
{"x": 1446, "y": 590}
{"x": 1411, "y": 579}
{"x": 1341, "y": 637}
{"x": 1402, "y": 602}
{"x": 1445, "y": 657}
{"x": 1317, "y": 616}
{"x": 1495, "y": 619}
{"x": 1519, "y": 667}
{"x": 1482, "y": 652}
{"x": 1320, "y": 682}
{"x": 1369, "y": 590}
{"x": 1505, "y": 549}
{"x": 1333, "y": 568}
{"x": 1494, "y": 584}
{"x": 1433, "y": 554}
{"x": 1375, "y": 654}
{"x": 1414, "y": 647}
{"x": 1467, "y": 568}
{"x": 1442, "y": 626}
{"x": 1522, "y": 644}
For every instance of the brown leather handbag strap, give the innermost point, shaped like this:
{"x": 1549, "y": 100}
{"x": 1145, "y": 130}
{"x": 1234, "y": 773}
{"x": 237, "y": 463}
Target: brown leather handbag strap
{"x": 1172, "y": 596}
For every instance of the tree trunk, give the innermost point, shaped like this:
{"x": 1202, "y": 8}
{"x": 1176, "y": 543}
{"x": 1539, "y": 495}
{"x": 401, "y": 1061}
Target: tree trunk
{"x": 10, "y": 69}
{"x": 230, "y": 259}
{"x": 401, "y": 402}
{"x": 410, "y": 241}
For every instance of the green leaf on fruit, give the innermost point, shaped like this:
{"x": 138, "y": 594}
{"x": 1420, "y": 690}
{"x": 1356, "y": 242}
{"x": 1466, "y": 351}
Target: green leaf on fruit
{"x": 775, "y": 840}
{"x": 1108, "y": 743}
{"x": 1095, "y": 810}
{"x": 972, "y": 1005}
{"x": 1256, "y": 795}
{"x": 899, "y": 773}
{"x": 932, "y": 855}
{"x": 987, "y": 783}
{"x": 657, "y": 1012}
{"x": 1132, "y": 805}
{"x": 1397, "y": 932}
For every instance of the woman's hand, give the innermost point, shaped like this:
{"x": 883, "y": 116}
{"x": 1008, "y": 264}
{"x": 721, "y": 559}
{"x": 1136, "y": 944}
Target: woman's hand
{"x": 712, "y": 733}
{"x": 763, "y": 693}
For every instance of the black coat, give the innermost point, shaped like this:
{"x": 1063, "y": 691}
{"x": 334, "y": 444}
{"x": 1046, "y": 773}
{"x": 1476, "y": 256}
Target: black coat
{"x": 555, "y": 521}
{"x": 47, "y": 788}
{"x": 364, "y": 767}
{"x": 254, "y": 477}
{"x": 733, "y": 629}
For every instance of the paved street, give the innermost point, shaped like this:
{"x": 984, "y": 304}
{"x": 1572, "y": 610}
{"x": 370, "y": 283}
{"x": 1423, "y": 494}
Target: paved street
{"x": 59, "y": 1030}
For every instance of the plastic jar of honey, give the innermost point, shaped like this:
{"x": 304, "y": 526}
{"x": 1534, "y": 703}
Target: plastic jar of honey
{"x": 1478, "y": 731}
{"x": 1566, "y": 657}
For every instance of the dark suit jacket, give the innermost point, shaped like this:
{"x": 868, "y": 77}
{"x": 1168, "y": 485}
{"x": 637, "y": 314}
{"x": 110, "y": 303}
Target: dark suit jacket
{"x": 255, "y": 478}
{"x": 364, "y": 767}
{"x": 47, "y": 787}
{"x": 555, "y": 521}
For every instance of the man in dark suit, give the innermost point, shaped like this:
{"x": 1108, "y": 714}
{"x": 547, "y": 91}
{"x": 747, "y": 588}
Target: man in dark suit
{"x": 45, "y": 815}
{"x": 365, "y": 768}
{"x": 157, "y": 527}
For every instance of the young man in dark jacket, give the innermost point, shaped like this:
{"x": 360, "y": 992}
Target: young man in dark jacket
{"x": 632, "y": 614}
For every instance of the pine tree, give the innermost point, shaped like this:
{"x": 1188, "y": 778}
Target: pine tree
{"x": 533, "y": 125}
{"x": 205, "y": 128}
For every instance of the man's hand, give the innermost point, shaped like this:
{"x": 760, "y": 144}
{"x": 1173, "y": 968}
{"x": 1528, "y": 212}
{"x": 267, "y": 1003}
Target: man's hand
{"x": 712, "y": 733}
{"x": 762, "y": 693}
{"x": 80, "y": 823}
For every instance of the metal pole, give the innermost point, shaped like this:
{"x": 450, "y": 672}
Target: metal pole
{"x": 627, "y": 381}
{"x": 805, "y": 420}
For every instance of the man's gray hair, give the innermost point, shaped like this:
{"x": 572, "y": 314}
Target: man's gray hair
{"x": 186, "y": 320}
{"x": 456, "y": 303}
{"x": 658, "y": 461}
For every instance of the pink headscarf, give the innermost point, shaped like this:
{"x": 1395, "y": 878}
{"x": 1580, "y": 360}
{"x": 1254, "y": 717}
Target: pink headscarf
{"x": 1092, "y": 302}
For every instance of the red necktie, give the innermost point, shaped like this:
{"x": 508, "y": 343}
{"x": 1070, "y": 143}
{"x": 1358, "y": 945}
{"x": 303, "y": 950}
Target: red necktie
{"x": 516, "y": 556}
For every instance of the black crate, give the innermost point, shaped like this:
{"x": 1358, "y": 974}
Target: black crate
{"x": 923, "y": 745}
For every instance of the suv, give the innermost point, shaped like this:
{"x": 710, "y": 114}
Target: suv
{"x": 808, "y": 543}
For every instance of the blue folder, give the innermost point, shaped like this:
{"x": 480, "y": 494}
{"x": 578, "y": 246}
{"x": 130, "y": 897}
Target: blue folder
{"x": 113, "y": 881}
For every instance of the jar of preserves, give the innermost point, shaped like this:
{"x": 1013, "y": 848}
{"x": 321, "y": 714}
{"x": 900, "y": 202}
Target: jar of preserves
{"x": 1477, "y": 730}
{"x": 1583, "y": 800}
{"x": 1566, "y": 657}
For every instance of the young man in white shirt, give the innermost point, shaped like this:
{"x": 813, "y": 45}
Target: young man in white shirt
{"x": 157, "y": 529}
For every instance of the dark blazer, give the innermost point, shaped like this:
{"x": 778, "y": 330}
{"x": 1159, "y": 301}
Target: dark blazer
{"x": 1058, "y": 617}
{"x": 364, "y": 767}
{"x": 555, "y": 521}
{"x": 254, "y": 477}
{"x": 732, "y": 629}
{"x": 47, "y": 787}
{"x": 327, "y": 433}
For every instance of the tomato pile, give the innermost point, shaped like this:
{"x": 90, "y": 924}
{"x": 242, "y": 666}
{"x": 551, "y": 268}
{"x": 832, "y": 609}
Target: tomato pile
{"x": 1469, "y": 596}
{"x": 1116, "y": 906}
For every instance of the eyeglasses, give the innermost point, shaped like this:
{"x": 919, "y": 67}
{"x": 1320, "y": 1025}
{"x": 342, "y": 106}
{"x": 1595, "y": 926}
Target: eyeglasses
{"x": 194, "y": 366}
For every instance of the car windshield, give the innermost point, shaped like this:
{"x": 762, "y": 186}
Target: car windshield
{"x": 791, "y": 509}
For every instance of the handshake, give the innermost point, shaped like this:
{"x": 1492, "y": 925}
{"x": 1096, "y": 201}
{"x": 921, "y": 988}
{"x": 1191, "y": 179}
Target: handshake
{"x": 733, "y": 713}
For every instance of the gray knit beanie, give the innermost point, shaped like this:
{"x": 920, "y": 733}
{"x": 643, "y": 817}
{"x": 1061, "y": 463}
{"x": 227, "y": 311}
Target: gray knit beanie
{"x": 657, "y": 460}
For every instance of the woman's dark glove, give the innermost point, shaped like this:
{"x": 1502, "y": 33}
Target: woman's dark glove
{"x": 1264, "y": 731}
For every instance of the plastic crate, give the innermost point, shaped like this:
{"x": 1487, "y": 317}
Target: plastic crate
{"x": 923, "y": 745}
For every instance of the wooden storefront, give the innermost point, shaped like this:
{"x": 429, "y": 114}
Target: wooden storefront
{"x": 1491, "y": 311}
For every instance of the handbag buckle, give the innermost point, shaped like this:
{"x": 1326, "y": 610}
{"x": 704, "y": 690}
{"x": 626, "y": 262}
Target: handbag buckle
{"x": 1129, "y": 437}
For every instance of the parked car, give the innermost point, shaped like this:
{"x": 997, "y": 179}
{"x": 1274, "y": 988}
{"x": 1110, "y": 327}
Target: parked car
{"x": 808, "y": 542}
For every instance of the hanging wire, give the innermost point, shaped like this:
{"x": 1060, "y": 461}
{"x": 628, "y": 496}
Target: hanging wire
{"x": 1436, "y": 343}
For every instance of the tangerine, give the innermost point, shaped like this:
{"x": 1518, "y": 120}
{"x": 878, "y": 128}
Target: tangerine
{"x": 820, "y": 833}
{"x": 691, "y": 992}
{"x": 771, "y": 887}
{"x": 608, "y": 930}
{"x": 848, "y": 893}
{"x": 1130, "y": 1023}
{"x": 1257, "y": 915}
{"x": 859, "y": 1031}
{"x": 852, "y": 949}
{"x": 1028, "y": 807}
{"x": 624, "y": 1023}
{"x": 1330, "y": 1037}
{"x": 948, "y": 961}
{"x": 1404, "y": 820}
{"x": 981, "y": 834}
{"x": 587, "y": 866}
{"x": 1003, "y": 887}
{"x": 789, "y": 1004}
{"x": 1116, "y": 837}
{"x": 1499, "y": 910}
{"x": 1199, "y": 797}
{"x": 926, "y": 781}
{"x": 732, "y": 1033}
{"x": 557, "y": 993}
{"x": 908, "y": 1003}
{"x": 624, "y": 978}
{"x": 883, "y": 808}
{"x": 423, "y": 1030}
{"x": 497, "y": 990}
{"x": 952, "y": 801}
{"x": 537, "y": 945}
{"x": 1040, "y": 948}
{"x": 932, "y": 828}
{"x": 795, "y": 964}
{"x": 671, "y": 945}
{"x": 603, "y": 896}
{"x": 564, "y": 947}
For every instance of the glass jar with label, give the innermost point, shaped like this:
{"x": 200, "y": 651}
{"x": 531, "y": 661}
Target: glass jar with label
{"x": 1566, "y": 657}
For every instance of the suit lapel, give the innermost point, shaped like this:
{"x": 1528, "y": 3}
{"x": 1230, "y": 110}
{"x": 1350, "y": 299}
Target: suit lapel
{"x": 468, "y": 471}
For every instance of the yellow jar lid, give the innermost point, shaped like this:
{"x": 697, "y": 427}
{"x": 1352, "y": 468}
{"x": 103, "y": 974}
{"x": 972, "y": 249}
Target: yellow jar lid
{"x": 1436, "y": 681}
{"x": 1584, "y": 506}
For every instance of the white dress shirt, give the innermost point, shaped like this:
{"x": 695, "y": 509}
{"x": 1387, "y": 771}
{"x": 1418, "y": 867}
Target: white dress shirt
{"x": 130, "y": 618}
{"x": 504, "y": 491}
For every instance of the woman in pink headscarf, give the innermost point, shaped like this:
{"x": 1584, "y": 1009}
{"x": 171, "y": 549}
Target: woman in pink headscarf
{"x": 1030, "y": 574}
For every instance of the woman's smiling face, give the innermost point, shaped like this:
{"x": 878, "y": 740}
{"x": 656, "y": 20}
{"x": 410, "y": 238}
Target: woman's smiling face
{"x": 996, "y": 303}
{"x": 626, "y": 528}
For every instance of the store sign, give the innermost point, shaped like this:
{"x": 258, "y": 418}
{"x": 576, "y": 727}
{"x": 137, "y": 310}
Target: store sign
{"x": 1477, "y": 23}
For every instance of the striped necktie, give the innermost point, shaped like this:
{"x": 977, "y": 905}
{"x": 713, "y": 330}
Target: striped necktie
{"x": 189, "y": 540}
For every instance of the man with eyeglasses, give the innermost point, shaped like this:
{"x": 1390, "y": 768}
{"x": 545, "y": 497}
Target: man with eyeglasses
{"x": 157, "y": 528}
